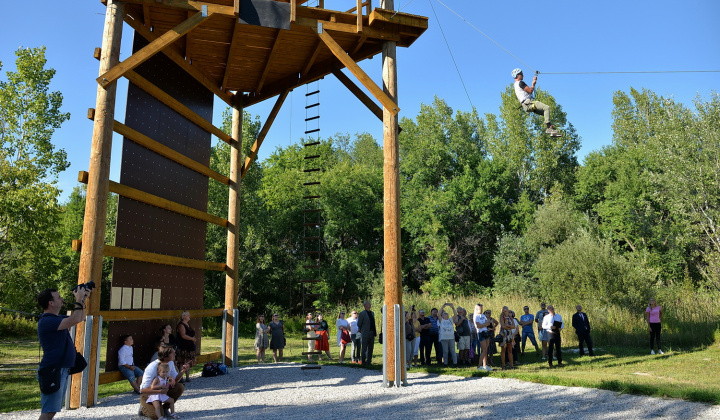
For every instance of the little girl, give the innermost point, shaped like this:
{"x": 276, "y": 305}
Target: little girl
{"x": 159, "y": 383}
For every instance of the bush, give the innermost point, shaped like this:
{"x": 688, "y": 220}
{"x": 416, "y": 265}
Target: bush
{"x": 16, "y": 326}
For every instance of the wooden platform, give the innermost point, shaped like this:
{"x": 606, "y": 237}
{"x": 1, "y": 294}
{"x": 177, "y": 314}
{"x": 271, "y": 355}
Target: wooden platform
{"x": 262, "y": 62}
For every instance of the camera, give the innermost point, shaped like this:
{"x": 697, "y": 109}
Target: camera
{"x": 87, "y": 286}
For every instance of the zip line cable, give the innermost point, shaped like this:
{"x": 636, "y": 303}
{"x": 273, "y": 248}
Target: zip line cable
{"x": 451, "y": 54}
{"x": 633, "y": 72}
{"x": 570, "y": 73}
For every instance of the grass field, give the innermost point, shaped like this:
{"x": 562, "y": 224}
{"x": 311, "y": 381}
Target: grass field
{"x": 692, "y": 374}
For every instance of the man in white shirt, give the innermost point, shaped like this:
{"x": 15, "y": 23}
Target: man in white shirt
{"x": 553, "y": 325}
{"x": 524, "y": 94}
{"x": 355, "y": 348}
{"x": 166, "y": 354}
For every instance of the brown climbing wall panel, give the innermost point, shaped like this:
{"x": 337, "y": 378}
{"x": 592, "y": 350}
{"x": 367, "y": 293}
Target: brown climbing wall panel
{"x": 147, "y": 228}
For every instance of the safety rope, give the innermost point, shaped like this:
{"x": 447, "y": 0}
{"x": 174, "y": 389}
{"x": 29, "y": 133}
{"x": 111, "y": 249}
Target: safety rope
{"x": 451, "y": 55}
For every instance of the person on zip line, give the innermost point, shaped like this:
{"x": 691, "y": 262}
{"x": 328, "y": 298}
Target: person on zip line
{"x": 524, "y": 94}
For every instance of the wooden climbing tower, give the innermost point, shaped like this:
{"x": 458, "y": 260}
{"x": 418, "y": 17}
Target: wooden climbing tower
{"x": 184, "y": 53}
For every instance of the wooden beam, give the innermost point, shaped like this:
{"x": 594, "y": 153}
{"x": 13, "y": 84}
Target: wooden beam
{"x": 263, "y": 132}
{"x": 359, "y": 16}
{"x": 155, "y": 314}
{"x": 91, "y": 260}
{"x": 341, "y": 55}
{"x": 154, "y": 258}
{"x": 179, "y": 59}
{"x": 360, "y": 43}
{"x": 266, "y": 70}
{"x": 191, "y": 5}
{"x": 147, "y": 16}
{"x": 293, "y": 10}
{"x": 150, "y": 50}
{"x": 233, "y": 43}
{"x": 169, "y": 153}
{"x": 318, "y": 70}
{"x": 362, "y": 96}
{"x": 313, "y": 57}
{"x": 349, "y": 28}
{"x": 391, "y": 215}
{"x": 110, "y": 377}
{"x": 232, "y": 255}
{"x": 360, "y": 5}
{"x": 163, "y": 150}
{"x": 156, "y": 201}
{"x": 176, "y": 105}
{"x": 388, "y": 16}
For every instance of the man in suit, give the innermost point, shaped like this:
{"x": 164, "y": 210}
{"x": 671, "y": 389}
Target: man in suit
{"x": 368, "y": 331}
{"x": 582, "y": 328}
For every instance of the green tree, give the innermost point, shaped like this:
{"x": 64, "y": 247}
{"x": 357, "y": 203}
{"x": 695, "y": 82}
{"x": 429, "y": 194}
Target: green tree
{"x": 455, "y": 201}
{"x": 29, "y": 167}
{"x": 637, "y": 188}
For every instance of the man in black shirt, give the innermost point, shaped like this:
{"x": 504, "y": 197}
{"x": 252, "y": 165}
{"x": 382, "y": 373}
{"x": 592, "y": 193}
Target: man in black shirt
{"x": 58, "y": 348}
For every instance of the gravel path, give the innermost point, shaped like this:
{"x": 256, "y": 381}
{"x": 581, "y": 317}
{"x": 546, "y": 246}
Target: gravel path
{"x": 283, "y": 391}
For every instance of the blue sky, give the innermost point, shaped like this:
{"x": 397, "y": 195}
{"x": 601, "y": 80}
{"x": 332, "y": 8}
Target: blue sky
{"x": 551, "y": 36}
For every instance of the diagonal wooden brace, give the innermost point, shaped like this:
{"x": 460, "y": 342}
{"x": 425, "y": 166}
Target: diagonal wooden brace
{"x": 263, "y": 132}
{"x": 151, "y": 49}
{"x": 343, "y": 56}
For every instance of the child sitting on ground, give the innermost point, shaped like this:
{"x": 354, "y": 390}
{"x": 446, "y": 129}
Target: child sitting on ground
{"x": 158, "y": 384}
{"x": 126, "y": 365}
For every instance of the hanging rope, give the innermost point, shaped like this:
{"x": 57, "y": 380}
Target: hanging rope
{"x": 451, "y": 54}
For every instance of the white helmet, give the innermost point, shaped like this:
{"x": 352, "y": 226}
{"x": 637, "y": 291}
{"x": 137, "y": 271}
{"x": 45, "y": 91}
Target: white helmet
{"x": 516, "y": 72}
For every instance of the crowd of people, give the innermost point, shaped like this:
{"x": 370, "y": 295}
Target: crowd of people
{"x": 478, "y": 338}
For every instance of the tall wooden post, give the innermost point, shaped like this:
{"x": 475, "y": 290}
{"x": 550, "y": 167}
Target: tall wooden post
{"x": 391, "y": 212}
{"x": 93, "y": 237}
{"x": 233, "y": 238}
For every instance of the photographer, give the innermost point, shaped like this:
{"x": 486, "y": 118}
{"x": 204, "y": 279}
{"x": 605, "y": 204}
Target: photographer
{"x": 58, "y": 348}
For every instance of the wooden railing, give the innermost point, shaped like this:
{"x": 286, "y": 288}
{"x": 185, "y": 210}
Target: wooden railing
{"x": 321, "y": 4}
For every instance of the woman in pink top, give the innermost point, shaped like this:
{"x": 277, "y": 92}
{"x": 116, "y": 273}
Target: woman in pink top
{"x": 653, "y": 315}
